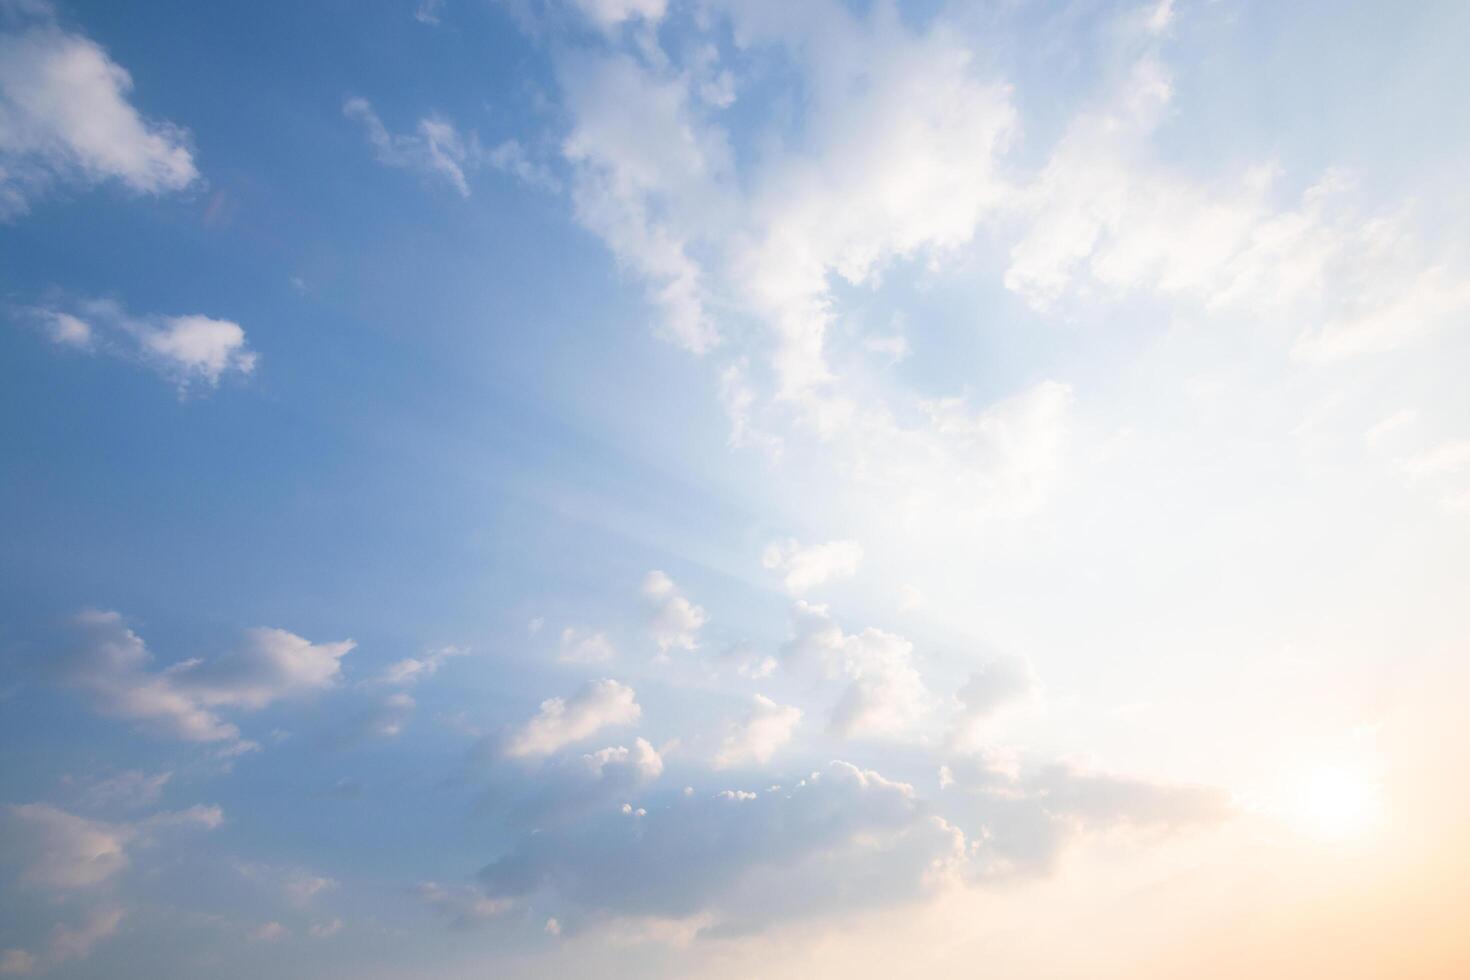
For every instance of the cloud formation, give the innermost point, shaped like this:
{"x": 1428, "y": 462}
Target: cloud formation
{"x": 883, "y": 695}
{"x": 675, "y": 621}
{"x": 59, "y": 852}
{"x": 439, "y": 151}
{"x": 737, "y": 863}
{"x": 805, "y": 568}
{"x": 1000, "y": 684}
{"x": 562, "y": 721}
{"x": 110, "y": 666}
{"x": 66, "y": 118}
{"x": 188, "y": 350}
{"x": 755, "y": 738}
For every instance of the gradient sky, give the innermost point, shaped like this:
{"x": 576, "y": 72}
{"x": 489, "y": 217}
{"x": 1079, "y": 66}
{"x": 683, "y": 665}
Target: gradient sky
{"x": 645, "y": 488}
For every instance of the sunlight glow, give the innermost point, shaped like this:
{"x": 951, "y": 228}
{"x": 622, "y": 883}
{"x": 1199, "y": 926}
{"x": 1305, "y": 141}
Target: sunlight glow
{"x": 1339, "y": 803}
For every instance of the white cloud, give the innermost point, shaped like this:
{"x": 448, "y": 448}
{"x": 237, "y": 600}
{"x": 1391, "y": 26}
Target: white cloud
{"x": 739, "y": 401}
{"x": 610, "y": 13}
{"x": 410, "y": 670}
{"x": 61, "y": 852}
{"x": 68, "y": 330}
{"x": 675, "y": 621}
{"x": 196, "y": 347}
{"x": 899, "y": 159}
{"x": 808, "y": 567}
{"x": 438, "y": 150}
{"x": 844, "y": 837}
{"x": 435, "y": 149}
{"x": 324, "y": 930}
{"x": 749, "y": 661}
{"x": 188, "y": 350}
{"x": 883, "y": 695}
{"x": 756, "y": 737}
{"x": 110, "y": 665}
{"x": 562, "y": 721}
{"x": 302, "y": 886}
{"x": 573, "y": 786}
{"x": 65, "y": 119}
{"x": 270, "y": 932}
{"x": 1029, "y": 818}
{"x": 1105, "y": 218}
{"x": 582, "y": 646}
{"x": 638, "y": 159}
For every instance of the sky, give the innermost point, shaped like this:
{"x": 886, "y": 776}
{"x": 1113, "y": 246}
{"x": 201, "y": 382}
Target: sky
{"x": 729, "y": 488}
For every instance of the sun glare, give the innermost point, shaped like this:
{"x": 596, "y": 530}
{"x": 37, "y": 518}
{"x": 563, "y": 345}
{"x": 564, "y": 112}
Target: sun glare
{"x": 1339, "y": 803}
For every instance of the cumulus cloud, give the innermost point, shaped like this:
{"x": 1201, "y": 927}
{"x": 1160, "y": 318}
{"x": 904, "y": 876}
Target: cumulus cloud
{"x": 57, "y": 851}
{"x": 756, "y": 737}
{"x": 737, "y": 865}
{"x": 748, "y": 661}
{"x": 188, "y": 350}
{"x": 562, "y": 721}
{"x": 805, "y": 568}
{"x": 883, "y": 696}
{"x": 66, "y": 119}
{"x": 575, "y": 785}
{"x": 675, "y": 621}
{"x": 110, "y": 665}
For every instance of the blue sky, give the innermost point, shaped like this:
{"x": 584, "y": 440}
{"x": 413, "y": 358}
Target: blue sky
{"x": 659, "y": 488}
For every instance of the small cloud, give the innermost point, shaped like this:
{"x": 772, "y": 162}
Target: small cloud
{"x": 193, "y": 350}
{"x": 805, "y": 568}
{"x": 562, "y": 721}
{"x": 675, "y": 621}
{"x": 756, "y": 737}
{"x": 270, "y": 932}
{"x": 582, "y": 646}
